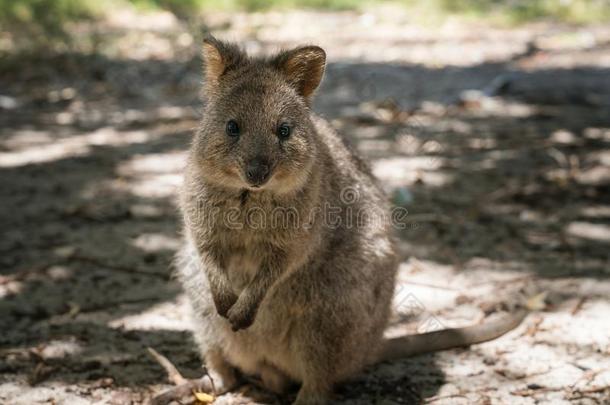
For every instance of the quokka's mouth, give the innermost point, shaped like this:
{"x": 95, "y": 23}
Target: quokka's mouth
{"x": 257, "y": 186}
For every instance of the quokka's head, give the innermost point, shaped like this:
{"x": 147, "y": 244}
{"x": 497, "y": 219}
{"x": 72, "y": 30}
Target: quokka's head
{"x": 256, "y": 132}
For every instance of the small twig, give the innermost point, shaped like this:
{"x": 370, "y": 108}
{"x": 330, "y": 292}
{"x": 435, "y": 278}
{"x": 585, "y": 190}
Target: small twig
{"x": 534, "y": 327}
{"x": 440, "y": 397}
{"x": 440, "y": 287}
{"x": 588, "y": 376}
{"x": 592, "y": 390}
{"x": 569, "y": 392}
{"x": 40, "y": 373}
{"x": 461, "y": 394}
{"x": 528, "y": 392}
{"x": 578, "y": 306}
{"x": 23, "y": 274}
{"x": 172, "y": 372}
{"x": 502, "y": 282}
{"x": 116, "y": 267}
{"x": 505, "y": 374}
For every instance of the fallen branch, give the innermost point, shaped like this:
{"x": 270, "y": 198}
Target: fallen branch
{"x": 184, "y": 387}
{"x": 179, "y": 392}
{"x": 580, "y": 392}
{"x": 429, "y": 285}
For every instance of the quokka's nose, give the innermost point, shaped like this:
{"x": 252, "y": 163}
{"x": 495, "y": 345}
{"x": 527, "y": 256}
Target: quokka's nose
{"x": 257, "y": 171}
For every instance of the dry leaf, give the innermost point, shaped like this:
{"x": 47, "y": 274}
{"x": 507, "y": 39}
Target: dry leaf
{"x": 74, "y": 309}
{"x": 536, "y": 302}
{"x": 203, "y": 397}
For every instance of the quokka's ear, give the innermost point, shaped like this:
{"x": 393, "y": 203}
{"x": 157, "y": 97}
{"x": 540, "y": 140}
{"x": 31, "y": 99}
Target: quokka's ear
{"x": 218, "y": 58}
{"x": 303, "y": 68}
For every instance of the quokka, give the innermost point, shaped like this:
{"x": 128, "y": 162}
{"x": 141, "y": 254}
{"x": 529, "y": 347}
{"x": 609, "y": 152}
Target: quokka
{"x": 307, "y": 301}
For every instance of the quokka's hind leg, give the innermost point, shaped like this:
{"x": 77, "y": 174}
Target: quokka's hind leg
{"x": 274, "y": 380}
{"x": 313, "y": 392}
{"x": 317, "y": 361}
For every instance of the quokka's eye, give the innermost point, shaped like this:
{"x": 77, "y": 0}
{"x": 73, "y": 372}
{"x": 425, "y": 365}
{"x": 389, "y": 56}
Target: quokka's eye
{"x": 232, "y": 128}
{"x": 283, "y": 131}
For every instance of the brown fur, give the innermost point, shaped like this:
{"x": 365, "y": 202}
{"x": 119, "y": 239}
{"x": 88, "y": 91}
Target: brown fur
{"x": 288, "y": 293}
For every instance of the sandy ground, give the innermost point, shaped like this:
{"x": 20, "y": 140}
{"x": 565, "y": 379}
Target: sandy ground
{"x": 496, "y": 141}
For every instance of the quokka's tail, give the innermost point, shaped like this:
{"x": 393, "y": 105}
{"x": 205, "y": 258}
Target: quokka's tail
{"x": 411, "y": 345}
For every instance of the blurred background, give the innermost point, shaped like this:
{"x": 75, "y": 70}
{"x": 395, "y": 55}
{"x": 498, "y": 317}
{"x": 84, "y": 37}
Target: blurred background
{"x": 488, "y": 120}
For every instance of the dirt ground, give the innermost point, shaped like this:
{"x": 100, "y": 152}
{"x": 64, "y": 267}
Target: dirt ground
{"x": 495, "y": 140}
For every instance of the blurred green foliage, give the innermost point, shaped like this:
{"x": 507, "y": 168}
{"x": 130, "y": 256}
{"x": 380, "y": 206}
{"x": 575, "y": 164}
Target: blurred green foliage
{"x": 190, "y": 6}
{"x": 43, "y": 21}
{"x": 43, "y": 18}
{"x": 315, "y": 4}
{"x": 517, "y": 11}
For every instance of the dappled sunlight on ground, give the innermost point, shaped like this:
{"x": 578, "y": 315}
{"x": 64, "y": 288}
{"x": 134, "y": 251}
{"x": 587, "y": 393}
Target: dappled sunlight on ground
{"x": 172, "y": 315}
{"x": 406, "y": 171}
{"x": 151, "y": 175}
{"x": 588, "y": 230}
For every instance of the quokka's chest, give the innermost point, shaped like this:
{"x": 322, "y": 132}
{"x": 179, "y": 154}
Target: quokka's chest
{"x": 254, "y": 226}
{"x": 241, "y": 267}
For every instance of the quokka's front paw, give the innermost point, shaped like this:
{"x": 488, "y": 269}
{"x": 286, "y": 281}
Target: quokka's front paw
{"x": 241, "y": 315}
{"x": 224, "y": 302}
